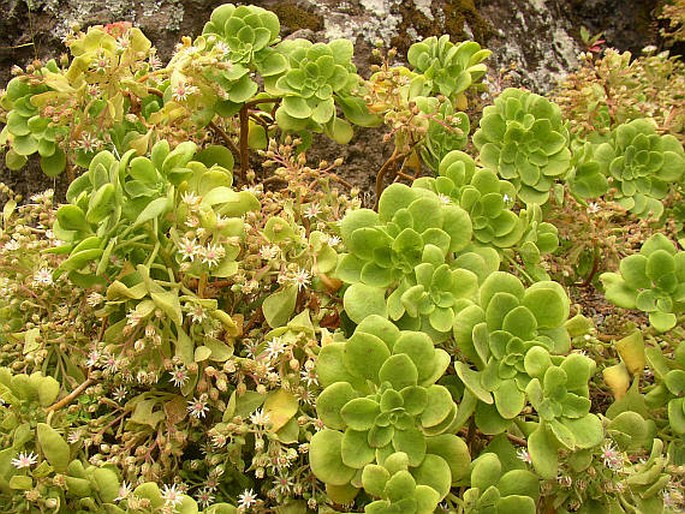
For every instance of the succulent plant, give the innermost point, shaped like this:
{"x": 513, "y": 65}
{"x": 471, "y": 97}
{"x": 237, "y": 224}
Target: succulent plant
{"x": 405, "y": 247}
{"x": 248, "y": 32}
{"x": 445, "y": 129}
{"x": 51, "y": 111}
{"x": 498, "y": 491}
{"x": 523, "y": 138}
{"x": 669, "y": 391}
{"x": 498, "y": 333}
{"x": 641, "y": 165}
{"x": 125, "y": 218}
{"x": 447, "y": 68}
{"x": 319, "y": 76}
{"x": 26, "y": 131}
{"x": 652, "y": 281}
{"x": 94, "y": 487}
{"x": 387, "y": 421}
{"x": 587, "y": 179}
{"x": 560, "y": 395}
{"x": 486, "y": 198}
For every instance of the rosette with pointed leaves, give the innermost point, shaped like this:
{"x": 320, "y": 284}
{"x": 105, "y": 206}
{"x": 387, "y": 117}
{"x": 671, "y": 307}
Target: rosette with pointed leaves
{"x": 652, "y": 281}
{"x": 641, "y": 165}
{"x": 447, "y": 68}
{"x": 319, "y": 76}
{"x": 498, "y": 491}
{"x": 409, "y": 247}
{"x": 523, "y": 138}
{"x": 388, "y": 424}
{"x": 497, "y": 333}
{"x": 559, "y": 393}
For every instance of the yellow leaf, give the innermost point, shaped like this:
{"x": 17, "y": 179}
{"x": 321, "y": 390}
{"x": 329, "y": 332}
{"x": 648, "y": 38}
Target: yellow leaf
{"x": 618, "y": 380}
{"x": 281, "y": 406}
{"x": 632, "y": 351}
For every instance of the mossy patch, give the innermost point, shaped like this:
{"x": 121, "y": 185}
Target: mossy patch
{"x": 293, "y": 17}
{"x": 449, "y": 17}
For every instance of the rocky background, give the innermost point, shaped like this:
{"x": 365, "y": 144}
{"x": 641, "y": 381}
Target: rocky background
{"x": 534, "y": 42}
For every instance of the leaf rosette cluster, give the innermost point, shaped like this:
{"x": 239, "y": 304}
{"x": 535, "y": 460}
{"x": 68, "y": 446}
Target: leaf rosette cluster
{"x": 125, "y": 219}
{"x": 523, "y": 137}
{"x": 381, "y": 405}
{"x": 447, "y": 68}
{"x": 498, "y": 333}
{"x": 652, "y": 281}
{"x": 494, "y": 489}
{"x": 246, "y": 36}
{"x": 51, "y": 111}
{"x": 410, "y": 248}
{"x": 637, "y": 163}
{"x": 320, "y": 77}
{"x": 559, "y": 392}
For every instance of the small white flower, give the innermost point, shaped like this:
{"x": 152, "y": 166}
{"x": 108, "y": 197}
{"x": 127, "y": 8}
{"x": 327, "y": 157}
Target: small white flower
{"x": 101, "y": 63}
{"x": 334, "y": 241}
{"x": 94, "y": 299}
{"x": 24, "y": 460}
{"x": 312, "y": 211}
{"x": 523, "y": 454}
{"x": 179, "y": 376}
{"x": 74, "y": 436}
{"x": 190, "y": 198}
{"x": 444, "y": 199}
{"x": 42, "y": 277}
{"x": 301, "y": 278}
{"x": 109, "y": 363}
{"x": 275, "y": 348}
{"x": 283, "y": 484}
{"x": 593, "y": 208}
{"x": 260, "y": 418}
{"x": 198, "y": 408}
{"x": 93, "y": 358}
{"x": 182, "y": 91}
{"x": 197, "y": 314}
{"x": 611, "y": 457}
{"x": 188, "y": 248}
{"x": 154, "y": 62}
{"x": 269, "y": 252}
{"x": 247, "y": 499}
{"x": 212, "y": 254}
{"x": 205, "y": 497}
{"x": 88, "y": 143}
{"x": 119, "y": 394}
{"x": 124, "y": 491}
{"x": 308, "y": 374}
{"x": 172, "y": 495}
{"x": 222, "y": 48}
{"x": 12, "y": 245}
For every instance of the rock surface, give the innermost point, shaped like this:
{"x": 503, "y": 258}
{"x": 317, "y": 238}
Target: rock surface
{"x": 534, "y": 42}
